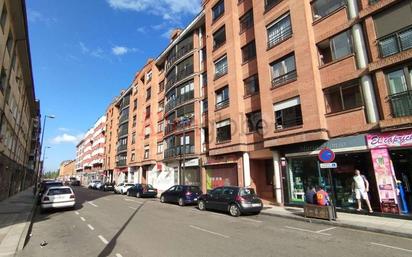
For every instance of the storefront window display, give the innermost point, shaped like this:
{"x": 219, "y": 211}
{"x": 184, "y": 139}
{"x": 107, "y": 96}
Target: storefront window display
{"x": 221, "y": 175}
{"x": 191, "y": 176}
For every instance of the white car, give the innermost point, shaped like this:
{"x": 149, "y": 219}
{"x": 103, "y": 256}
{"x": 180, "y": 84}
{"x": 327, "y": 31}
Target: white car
{"x": 93, "y": 183}
{"x": 58, "y": 197}
{"x": 122, "y": 188}
{"x": 98, "y": 185}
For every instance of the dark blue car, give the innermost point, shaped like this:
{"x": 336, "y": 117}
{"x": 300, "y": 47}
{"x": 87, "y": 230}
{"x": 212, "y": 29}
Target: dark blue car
{"x": 142, "y": 190}
{"x": 181, "y": 194}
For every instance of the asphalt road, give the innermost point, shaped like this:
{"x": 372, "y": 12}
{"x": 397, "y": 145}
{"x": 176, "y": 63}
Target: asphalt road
{"x": 105, "y": 224}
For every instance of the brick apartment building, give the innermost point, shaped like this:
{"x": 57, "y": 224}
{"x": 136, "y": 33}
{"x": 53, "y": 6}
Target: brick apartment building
{"x": 90, "y": 153}
{"x": 251, "y": 91}
{"x": 67, "y": 169}
{"x": 19, "y": 111}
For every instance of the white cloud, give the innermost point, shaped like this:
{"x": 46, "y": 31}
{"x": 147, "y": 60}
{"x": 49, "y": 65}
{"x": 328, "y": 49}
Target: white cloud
{"x": 97, "y": 52}
{"x": 64, "y": 129}
{"x": 167, "y": 9}
{"x": 142, "y": 29}
{"x": 67, "y": 138}
{"x": 37, "y": 17}
{"x": 122, "y": 50}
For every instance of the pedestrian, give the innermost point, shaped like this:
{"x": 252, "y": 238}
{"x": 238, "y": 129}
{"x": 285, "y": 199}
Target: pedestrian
{"x": 360, "y": 186}
{"x": 310, "y": 196}
{"x": 322, "y": 197}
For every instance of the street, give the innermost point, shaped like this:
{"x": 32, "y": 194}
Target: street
{"x": 105, "y": 224}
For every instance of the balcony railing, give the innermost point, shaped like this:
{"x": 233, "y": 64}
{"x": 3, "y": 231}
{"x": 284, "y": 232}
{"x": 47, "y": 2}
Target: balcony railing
{"x": 123, "y": 118}
{"x": 285, "y": 78}
{"x": 121, "y": 163}
{"x": 181, "y": 99}
{"x": 401, "y": 104}
{"x": 179, "y": 151}
{"x": 179, "y": 125}
{"x": 186, "y": 72}
{"x": 222, "y": 104}
{"x": 282, "y": 35}
{"x": 123, "y": 132}
{"x": 184, "y": 50}
{"x": 170, "y": 82}
{"x": 121, "y": 148}
{"x": 289, "y": 123}
{"x": 396, "y": 42}
{"x": 221, "y": 72}
{"x": 125, "y": 102}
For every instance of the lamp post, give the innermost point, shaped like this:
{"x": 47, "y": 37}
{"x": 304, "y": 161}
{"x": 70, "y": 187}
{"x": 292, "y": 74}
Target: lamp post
{"x": 44, "y": 157}
{"x": 41, "y": 145}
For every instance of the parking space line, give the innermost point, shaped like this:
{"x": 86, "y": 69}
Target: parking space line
{"x": 208, "y": 231}
{"x": 307, "y": 230}
{"x": 324, "y": 230}
{"x": 90, "y": 226}
{"x": 103, "y": 239}
{"x": 392, "y": 247}
{"x": 83, "y": 219}
{"x": 92, "y": 204}
{"x": 76, "y": 212}
{"x": 252, "y": 220}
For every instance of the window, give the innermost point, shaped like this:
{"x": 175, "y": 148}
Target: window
{"x": 218, "y": 10}
{"x": 283, "y": 71}
{"x": 147, "y": 112}
{"x": 254, "y": 121}
{"x": 223, "y": 132}
{"x": 134, "y": 121}
{"x": 395, "y": 43}
{"x": 160, "y": 148}
{"x": 221, "y": 67}
{"x": 219, "y": 37}
{"x": 251, "y": 85}
{"x": 148, "y": 93}
{"x": 288, "y": 113}
{"x": 162, "y": 86}
{"x": 279, "y": 30}
{"x": 149, "y": 76}
{"x": 9, "y": 43}
{"x": 3, "y": 80}
{"x": 249, "y": 51}
{"x": 146, "y": 152}
{"x": 269, "y": 4}
{"x": 3, "y": 18}
{"x": 160, "y": 126}
{"x": 161, "y": 106}
{"x": 133, "y": 138}
{"x": 343, "y": 97}
{"x": 133, "y": 157}
{"x": 246, "y": 21}
{"x": 400, "y": 91}
{"x": 147, "y": 132}
{"x": 335, "y": 48}
{"x": 204, "y": 79}
{"x": 204, "y": 105}
{"x": 322, "y": 8}
{"x": 134, "y": 104}
{"x": 222, "y": 97}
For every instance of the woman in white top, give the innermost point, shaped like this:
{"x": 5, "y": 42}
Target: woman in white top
{"x": 360, "y": 186}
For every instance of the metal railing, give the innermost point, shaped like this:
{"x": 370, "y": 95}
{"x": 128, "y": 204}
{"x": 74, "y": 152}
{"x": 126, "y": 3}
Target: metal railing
{"x": 185, "y": 72}
{"x": 289, "y": 123}
{"x": 401, "y": 104}
{"x": 178, "y": 126}
{"x": 121, "y": 163}
{"x": 179, "y": 151}
{"x": 396, "y": 42}
{"x": 222, "y": 104}
{"x": 221, "y": 72}
{"x": 124, "y": 118}
{"x": 290, "y": 76}
{"x": 121, "y": 148}
{"x": 282, "y": 36}
{"x": 123, "y": 132}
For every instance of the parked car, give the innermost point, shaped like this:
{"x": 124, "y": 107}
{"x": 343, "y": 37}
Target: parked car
{"x": 122, "y": 188}
{"x": 142, "y": 190}
{"x": 98, "y": 185}
{"x": 107, "y": 186}
{"x": 93, "y": 184}
{"x": 74, "y": 181}
{"x": 235, "y": 200}
{"x": 58, "y": 197}
{"x": 181, "y": 194}
{"x": 45, "y": 185}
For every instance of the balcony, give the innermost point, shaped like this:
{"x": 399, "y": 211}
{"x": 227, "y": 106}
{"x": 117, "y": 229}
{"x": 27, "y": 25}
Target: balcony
{"x": 123, "y": 132}
{"x": 181, "y": 99}
{"x": 179, "y": 125}
{"x": 401, "y": 104}
{"x": 396, "y": 42}
{"x": 121, "y": 163}
{"x": 184, "y": 73}
{"x": 125, "y": 102}
{"x": 289, "y": 123}
{"x": 123, "y": 118}
{"x": 282, "y": 35}
{"x": 222, "y": 104}
{"x": 170, "y": 82}
{"x": 170, "y": 105}
{"x": 283, "y": 79}
{"x": 121, "y": 148}
{"x": 179, "y": 151}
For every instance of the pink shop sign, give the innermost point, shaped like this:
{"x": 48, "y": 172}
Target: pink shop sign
{"x": 387, "y": 140}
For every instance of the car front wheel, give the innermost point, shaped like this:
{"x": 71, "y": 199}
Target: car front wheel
{"x": 162, "y": 199}
{"x": 181, "y": 202}
{"x": 201, "y": 205}
{"x": 234, "y": 210}
{"x": 138, "y": 195}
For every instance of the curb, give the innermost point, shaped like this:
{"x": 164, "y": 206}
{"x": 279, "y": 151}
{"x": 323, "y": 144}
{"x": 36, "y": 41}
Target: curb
{"x": 27, "y": 228}
{"x": 339, "y": 224}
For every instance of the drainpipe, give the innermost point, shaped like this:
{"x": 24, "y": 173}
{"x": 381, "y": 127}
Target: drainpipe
{"x": 246, "y": 169}
{"x": 277, "y": 177}
{"x": 362, "y": 62}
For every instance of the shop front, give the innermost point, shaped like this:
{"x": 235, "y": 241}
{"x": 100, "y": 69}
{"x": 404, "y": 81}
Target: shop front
{"x": 301, "y": 170}
{"x": 223, "y": 170}
{"x": 190, "y": 174}
{"x": 392, "y": 156}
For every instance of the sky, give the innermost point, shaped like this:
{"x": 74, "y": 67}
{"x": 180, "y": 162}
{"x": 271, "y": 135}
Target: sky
{"x": 84, "y": 52}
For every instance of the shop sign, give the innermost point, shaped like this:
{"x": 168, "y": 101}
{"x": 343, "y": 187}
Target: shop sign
{"x": 394, "y": 139}
{"x": 326, "y": 155}
{"x": 385, "y": 180}
{"x": 192, "y": 162}
{"x": 221, "y": 159}
{"x": 330, "y": 165}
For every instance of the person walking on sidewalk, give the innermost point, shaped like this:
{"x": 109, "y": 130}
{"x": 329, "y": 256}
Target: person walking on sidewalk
{"x": 360, "y": 186}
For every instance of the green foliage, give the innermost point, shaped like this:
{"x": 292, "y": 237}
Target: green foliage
{"x": 51, "y": 174}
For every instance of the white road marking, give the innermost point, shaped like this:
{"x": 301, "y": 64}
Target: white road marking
{"x": 306, "y": 230}
{"x": 118, "y": 255}
{"x": 208, "y": 231}
{"x": 324, "y": 230}
{"x": 392, "y": 247}
{"x": 83, "y": 219}
{"x": 90, "y": 226}
{"x": 252, "y": 220}
{"x": 76, "y": 212}
{"x": 133, "y": 208}
{"x": 103, "y": 239}
{"x": 92, "y": 204}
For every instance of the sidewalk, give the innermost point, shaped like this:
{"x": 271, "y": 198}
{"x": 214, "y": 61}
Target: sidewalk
{"x": 15, "y": 218}
{"x": 391, "y": 226}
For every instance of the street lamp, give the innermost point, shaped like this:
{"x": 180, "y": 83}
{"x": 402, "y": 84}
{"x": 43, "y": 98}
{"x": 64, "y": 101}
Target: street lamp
{"x": 41, "y": 145}
{"x": 44, "y": 157}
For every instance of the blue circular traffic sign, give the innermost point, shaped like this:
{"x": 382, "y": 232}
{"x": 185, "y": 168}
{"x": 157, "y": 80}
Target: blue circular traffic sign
{"x": 326, "y": 155}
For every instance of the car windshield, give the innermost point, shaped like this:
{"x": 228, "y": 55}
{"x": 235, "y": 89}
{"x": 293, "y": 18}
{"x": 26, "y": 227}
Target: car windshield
{"x": 149, "y": 186}
{"x": 59, "y": 191}
{"x": 56, "y": 184}
{"x": 247, "y": 191}
{"x": 193, "y": 189}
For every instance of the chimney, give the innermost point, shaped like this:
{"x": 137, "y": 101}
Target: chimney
{"x": 175, "y": 33}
